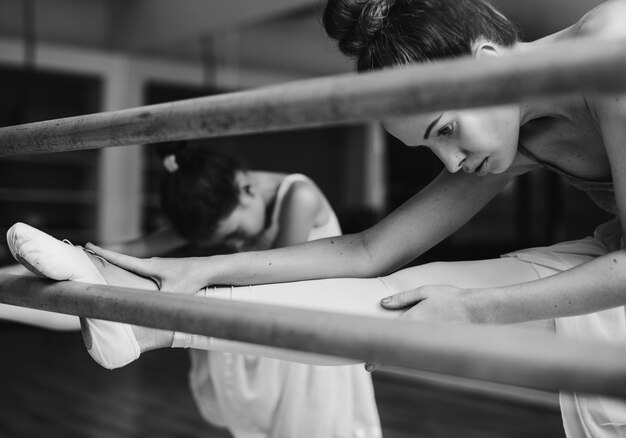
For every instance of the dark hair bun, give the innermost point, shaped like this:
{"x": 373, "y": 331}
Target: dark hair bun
{"x": 355, "y": 23}
{"x": 388, "y": 33}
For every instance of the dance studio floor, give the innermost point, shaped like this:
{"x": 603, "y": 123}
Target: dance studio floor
{"x": 51, "y": 388}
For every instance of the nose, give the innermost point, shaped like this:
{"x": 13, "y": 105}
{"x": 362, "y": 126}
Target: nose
{"x": 452, "y": 159}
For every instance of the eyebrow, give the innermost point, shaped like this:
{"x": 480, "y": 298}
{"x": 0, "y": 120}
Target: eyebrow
{"x": 432, "y": 124}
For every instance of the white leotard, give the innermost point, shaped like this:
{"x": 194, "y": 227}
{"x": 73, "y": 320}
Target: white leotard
{"x": 265, "y": 397}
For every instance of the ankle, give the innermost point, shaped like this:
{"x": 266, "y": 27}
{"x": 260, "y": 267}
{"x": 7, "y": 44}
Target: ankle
{"x": 151, "y": 338}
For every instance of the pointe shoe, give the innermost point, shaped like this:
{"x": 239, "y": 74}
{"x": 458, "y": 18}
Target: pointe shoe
{"x": 111, "y": 344}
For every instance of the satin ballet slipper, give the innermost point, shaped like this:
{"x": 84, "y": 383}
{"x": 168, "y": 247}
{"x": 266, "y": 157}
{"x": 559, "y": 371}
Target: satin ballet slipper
{"x": 111, "y": 344}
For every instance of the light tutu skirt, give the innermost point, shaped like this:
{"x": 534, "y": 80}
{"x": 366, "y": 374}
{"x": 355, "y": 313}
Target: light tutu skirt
{"x": 261, "y": 397}
{"x": 266, "y": 397}
{"x": 586, "y": 416}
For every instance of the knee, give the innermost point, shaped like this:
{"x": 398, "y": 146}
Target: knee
{"x": 409, "y": 278}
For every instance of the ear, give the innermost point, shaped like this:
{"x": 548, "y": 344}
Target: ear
{"x": 247, "y": 190}
{"x": 485, "y": 48}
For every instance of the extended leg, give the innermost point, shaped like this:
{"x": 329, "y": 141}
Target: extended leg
{"x": 349, "y": 295}
{"x": 54, "y": 259}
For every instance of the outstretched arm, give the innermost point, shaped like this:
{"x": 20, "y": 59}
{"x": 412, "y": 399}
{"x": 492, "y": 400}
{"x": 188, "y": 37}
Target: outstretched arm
{"x": 423, "y": 221}
{"x": 596, "y": 285}
{"x": 593, "y": 286}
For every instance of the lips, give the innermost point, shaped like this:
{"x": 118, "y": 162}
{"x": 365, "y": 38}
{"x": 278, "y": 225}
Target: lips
{"x": 483, "y": 168}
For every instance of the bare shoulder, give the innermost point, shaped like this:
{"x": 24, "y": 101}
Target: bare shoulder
{"x": 607, "y": 20}
{"x": 303, "y": 205}
{"x": 303, "y": 194}
{"x": 303, "y": 189}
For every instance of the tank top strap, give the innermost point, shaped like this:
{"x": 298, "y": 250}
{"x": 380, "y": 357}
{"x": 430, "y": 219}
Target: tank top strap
{"x": 522, "y": 150}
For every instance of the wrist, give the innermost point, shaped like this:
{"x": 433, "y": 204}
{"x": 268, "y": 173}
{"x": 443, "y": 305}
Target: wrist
{"x": 221, "y": 269}
{"x": 482, "y": 307}
{"x": 202, "y": 271}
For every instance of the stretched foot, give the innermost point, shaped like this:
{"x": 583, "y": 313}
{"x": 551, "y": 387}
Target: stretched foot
{"x": 111, "y": 344}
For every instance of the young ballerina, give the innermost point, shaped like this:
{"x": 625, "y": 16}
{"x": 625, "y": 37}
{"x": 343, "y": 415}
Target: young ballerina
{"x": 579, "y": 284}
{"x": 210, "y": 199}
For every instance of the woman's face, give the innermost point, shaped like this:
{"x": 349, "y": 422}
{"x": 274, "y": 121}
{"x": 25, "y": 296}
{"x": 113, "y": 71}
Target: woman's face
{"x": 480, "y": 141}
{"x": 240, "y": 230}
{"x": 242, "y": 227}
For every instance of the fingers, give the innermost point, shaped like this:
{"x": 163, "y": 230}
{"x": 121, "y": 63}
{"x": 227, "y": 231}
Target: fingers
{"x": 107, "y": 254}
{"x": 403, "y": 299}
{"x": 132, "y": 264}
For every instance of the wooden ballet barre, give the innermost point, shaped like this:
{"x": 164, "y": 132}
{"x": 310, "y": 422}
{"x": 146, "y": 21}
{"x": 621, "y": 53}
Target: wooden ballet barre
{"x": 558, "y": 70}
{"x": 498, "y": 354}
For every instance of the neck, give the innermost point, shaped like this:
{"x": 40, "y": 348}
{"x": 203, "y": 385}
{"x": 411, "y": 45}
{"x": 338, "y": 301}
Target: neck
{"x": 555, "y": 108}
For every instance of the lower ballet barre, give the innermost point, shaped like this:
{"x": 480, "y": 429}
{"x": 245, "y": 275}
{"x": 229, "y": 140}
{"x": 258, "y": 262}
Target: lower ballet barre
{"x": 498, "y": 354}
